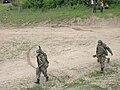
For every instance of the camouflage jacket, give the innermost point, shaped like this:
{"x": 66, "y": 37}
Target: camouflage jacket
{"x": 42, "y": 61}
{"x": 103, "y": 50}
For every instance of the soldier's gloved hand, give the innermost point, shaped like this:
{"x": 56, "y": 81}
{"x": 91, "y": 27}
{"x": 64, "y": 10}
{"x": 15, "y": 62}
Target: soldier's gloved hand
{"x": 111, "y": 54}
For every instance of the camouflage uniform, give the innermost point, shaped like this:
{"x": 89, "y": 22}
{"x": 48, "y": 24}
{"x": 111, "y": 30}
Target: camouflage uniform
{"x": 101, "y": 4}
{"x": 45, "y": 55}
{"x": 42, "y": 67}
{"x": 94, "y": 6}
{"x": 101, "y": 53}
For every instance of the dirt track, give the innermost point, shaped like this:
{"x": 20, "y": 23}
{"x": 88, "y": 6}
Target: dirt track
{"x": 69, "y": 50}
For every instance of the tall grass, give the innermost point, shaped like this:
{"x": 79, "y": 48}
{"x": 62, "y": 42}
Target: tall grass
{"x": 11, "y": 16}
{"x": 32, "y": 16}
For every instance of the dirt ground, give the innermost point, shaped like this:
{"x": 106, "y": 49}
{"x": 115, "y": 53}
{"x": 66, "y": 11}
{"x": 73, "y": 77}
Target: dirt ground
{"x": 69, "y": 49}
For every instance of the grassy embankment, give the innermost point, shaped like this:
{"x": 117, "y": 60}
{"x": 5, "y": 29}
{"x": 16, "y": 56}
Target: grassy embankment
{"x": 13, "y": 16}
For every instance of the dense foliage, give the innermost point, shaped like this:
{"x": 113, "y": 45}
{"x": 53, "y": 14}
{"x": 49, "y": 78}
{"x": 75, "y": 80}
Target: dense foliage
{"x": 59, "y": 3}
{"x": 55, "y": 3}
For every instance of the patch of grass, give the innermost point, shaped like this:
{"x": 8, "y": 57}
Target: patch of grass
{"x": 115, "y": 65}
{"x": 114, "y": 86}
{"x": 13, "y": 16}
{"x": 51, "y": 83}
{"x": 96, "y": 87}
{"x": 99, "y": 74}
{"x": 83, "y": 85}
{"x": 109, "y": 13}
{"x": 115, "y": 10}
{"x": 96, "y": 74}
{"x": 110, "y": 72}
{"x": 10, "y": 15}
{"x": 76, "y": 84}
{"x": 48, "y": 86}
{"x": 35, "y": 88}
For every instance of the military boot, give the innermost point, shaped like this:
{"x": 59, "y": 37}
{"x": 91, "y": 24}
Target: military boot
{"x": 37, "y": 81}
{"x": 98, "y": 60}
{"x": 108, "y": 60}
{"x": 47, "y": 78}
{"x": 102, "y": 70}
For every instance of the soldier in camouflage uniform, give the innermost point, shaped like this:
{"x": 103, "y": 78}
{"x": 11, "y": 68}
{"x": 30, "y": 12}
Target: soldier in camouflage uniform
{"x": 101, "y": 53}
{"x": 42, "y": 66}
{"x": 94, "y": 6}
{"x": 101, "y": 5}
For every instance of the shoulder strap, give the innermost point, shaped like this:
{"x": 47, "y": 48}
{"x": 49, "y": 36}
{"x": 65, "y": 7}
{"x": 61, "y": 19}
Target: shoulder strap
{"x": 103, "y": 48}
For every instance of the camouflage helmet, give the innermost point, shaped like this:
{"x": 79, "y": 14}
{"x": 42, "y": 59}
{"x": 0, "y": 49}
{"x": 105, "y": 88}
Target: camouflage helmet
{"x": 100, "y": 41}
{"x": 38, "y": 51}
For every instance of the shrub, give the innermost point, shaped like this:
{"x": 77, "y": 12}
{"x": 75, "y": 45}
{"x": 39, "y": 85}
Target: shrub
{"x": 55, "y": 3}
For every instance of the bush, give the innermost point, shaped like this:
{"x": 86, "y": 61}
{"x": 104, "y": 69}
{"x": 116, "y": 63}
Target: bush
{"x": 112, "y": 1}
{"x": 49, "y": 3}
{"x": 34, "y": 3}
{"x": 55, "y": 3}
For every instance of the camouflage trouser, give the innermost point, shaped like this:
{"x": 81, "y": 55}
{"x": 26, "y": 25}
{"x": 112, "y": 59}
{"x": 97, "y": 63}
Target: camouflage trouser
{"x": 94, "y": 9}
{"x": 102, "y": 60}
{"x": 101, "y": 9}
{"x": 39, "y": 71}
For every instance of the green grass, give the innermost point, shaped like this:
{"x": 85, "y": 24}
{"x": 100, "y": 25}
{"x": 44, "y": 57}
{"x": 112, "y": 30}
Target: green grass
{"x": 114, "y": 86}
{"x": 95, "y": 87}
{"x": 95, "y": 74}
{"x": 109, "y": 13}
{"x": 99, "y": 74}
{"x": 82, "y": 85}
{"x": 76, "y": 84}
{"x": 35, "y": 88}
{"x": 10, "y": 15}
{"x": 48, "y": 86}
{"x": 13, "y": 16}
{"x": 92, "y": 84}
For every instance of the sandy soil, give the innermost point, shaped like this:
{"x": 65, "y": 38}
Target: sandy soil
{"x": 69, "y": 51}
